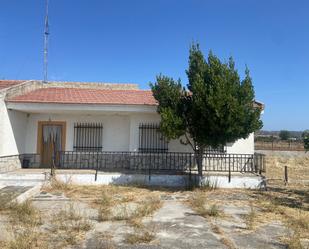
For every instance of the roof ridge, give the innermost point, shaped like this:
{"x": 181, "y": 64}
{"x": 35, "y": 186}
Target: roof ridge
{"x": 94, "y": 89}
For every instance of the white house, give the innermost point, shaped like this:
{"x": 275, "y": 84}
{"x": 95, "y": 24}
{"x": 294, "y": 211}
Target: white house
{"x": 84, "y": 117}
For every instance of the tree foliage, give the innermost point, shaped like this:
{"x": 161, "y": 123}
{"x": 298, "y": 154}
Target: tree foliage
{"x": 305, "y": 137}
{"x": 284, "y": 135}
{"x": 216, "y": 108}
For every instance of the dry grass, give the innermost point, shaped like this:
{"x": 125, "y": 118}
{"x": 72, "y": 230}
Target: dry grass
{"x": 223, "y": 239}
{"x": 56, "y": 185}
{"x": 128, "y": 203}
{"x": 140, "y": 236}
{"x": 24, "y": 221}
{"x": 25, "y": 214}
{"x": 25, "y": 239}
{"x": 105, "y": 203}
{"x": 250, "y": 218}
{"x": 70, "y": 226}
{"x": 103, "y": 241}
{"x": 288, "y": 205}
{"x": 298, "y": 169}
{"x": 298, "y": 226}
{"x": 146, "y": 208}
{"x": 146, "y": 203}
{"x": 4, "y": 202}
{"x": 228, "y": 243}
{"x": 89, "y": 193}
{"x": 204, "y": 208}
{"x": 216, "y": 229}
{"x": 208, "y": 185}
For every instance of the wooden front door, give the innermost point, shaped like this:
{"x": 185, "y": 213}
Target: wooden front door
{"x": 51, "y": 139}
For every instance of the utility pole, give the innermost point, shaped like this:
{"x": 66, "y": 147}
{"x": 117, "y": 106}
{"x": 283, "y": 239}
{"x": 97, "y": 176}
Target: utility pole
{"x": 46, "y": 33}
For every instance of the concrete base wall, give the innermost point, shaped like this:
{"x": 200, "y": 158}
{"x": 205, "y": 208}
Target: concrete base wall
{"x": 218, "y": 181}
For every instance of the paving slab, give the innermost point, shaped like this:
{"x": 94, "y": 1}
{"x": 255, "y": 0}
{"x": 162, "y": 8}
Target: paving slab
{"x": 177, "y": 226}
{"x": 265, "y": 236}
{"x": 9, "y": 193}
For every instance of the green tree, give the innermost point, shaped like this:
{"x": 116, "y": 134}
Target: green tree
{"x": 305, "y": 137}
{"x": 216, "y": 107}
{"x": 284, "y": 135}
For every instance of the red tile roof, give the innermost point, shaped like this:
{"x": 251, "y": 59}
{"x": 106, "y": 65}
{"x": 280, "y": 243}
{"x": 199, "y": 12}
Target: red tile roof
{"x": 9, "y": 83}
{"x": 86, "y": 96}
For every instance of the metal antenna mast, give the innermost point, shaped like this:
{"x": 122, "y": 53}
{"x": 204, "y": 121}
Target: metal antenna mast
{"x": 46, "y": 33}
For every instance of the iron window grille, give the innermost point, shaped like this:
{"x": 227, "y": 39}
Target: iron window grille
{"x": 88, "y": 137}
{"x": 151, "y": 139}
{"x": 219, "y": 149}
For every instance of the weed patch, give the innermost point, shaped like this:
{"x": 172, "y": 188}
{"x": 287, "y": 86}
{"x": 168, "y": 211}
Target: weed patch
{"x": 250, "y": 218}
{"x": 70, "y": 225}
{"x": 198, "y": 204}
{"x": 24, "y": 213}
{"x": 140, "y": 236}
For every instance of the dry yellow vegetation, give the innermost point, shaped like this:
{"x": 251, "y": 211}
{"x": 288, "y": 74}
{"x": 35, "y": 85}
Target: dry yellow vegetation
{"x": 298, "y": 167}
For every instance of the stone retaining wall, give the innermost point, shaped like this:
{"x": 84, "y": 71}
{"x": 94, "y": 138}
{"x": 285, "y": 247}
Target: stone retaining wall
{"x": 10, "y": 163}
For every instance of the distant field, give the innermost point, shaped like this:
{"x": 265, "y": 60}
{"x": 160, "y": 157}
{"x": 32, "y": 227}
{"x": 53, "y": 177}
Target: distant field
{"x": 296, "y": 161}
{"x": 279, "y": 145}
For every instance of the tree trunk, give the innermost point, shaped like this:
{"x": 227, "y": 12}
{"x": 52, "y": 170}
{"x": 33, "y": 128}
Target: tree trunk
{"x": 199, "y": 160}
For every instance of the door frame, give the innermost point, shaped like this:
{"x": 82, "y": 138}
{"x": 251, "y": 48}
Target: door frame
{"x": 40, "y": 134}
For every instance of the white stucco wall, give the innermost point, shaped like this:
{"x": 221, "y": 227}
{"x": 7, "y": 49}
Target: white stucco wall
{"x": 120, "y": 132}
{"x": 12, "y": 130}
{"x": 242, "y": 146}
{"x": 116, "y": 133}
{"x": 136, "y": 119}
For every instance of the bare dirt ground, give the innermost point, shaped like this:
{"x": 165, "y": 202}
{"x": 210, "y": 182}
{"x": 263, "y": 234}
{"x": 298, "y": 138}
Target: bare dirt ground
{"x": 67, "y": 216}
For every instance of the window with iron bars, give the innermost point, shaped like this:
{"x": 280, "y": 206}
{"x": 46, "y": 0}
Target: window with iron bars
{"x": 88, "y": 137}
{"x": 151, "y": 139}
{"x": 219, "y": 149}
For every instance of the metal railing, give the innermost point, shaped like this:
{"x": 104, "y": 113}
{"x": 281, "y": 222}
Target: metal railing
{"x": 30, "y": 160}
{"x": 170, "y": 162}
{"x": 146, "y": 163}
{"x": 279, "y": 145}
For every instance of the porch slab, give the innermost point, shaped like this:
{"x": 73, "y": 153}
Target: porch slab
{"x": 88, "y": 177}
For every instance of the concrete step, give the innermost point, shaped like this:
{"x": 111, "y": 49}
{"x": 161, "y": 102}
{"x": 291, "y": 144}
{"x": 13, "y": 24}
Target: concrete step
{"x": 16, "y": 176}
{"x": 21, "y": 182}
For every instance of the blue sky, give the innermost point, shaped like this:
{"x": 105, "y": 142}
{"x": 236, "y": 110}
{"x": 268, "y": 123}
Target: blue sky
{"x": 133, "y": 41}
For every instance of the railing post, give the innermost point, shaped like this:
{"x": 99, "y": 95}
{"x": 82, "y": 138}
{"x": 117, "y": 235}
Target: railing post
{"x": 286, "y": 175}
{"x": 190, "y": 176}
{"x": 229, "y": 168}
{"x": 96, "y": 171}
{"x": 149, "y": 168}
{"x": 52, "y": 166}
{"x": 260, "y": 164}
